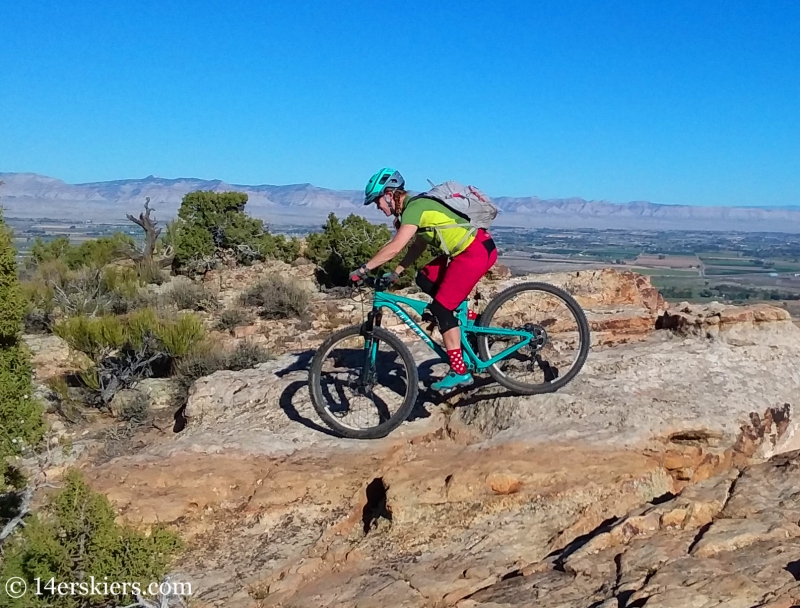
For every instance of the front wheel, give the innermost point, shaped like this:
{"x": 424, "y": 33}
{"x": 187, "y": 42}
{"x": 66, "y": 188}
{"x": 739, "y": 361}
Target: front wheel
{"x": 560, "y": 341}
{"x": 362, "y": 386}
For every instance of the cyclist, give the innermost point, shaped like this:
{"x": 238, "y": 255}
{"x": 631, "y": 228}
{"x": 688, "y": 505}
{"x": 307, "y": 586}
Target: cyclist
{"x": 449, "y": 278}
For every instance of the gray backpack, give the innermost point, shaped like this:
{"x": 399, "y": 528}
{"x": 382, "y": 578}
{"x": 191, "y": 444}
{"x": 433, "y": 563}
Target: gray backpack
{"x": 469, "y": 202}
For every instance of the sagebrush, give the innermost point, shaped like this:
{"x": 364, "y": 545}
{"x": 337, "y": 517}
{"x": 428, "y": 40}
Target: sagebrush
{"x": 125, "y": 349}
{"x": 277, "y": 298}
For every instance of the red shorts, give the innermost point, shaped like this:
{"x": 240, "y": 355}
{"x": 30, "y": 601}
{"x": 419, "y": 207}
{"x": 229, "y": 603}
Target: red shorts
{"x": 454, "y": 281}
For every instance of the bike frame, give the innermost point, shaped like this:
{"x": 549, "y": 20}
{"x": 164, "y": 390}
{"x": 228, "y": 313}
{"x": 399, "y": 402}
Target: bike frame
{"x": 383, "y": 300}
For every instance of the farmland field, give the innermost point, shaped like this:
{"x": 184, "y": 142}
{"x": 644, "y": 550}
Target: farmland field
{"x": 693, "y": 266}
{"x": 667, "y": 261}
{"x": 665, "y": 272}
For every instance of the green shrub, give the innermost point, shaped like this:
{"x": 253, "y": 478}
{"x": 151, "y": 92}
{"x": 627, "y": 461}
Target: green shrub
{"x": 208, "y": 221}
{"x": 169, "y": 239}
{"x": 286, "y": 250}
{"x": 141, "y": 324}
{"x": 94, "y": 253}
{"x": 123, "y": 350}
{"x": 39, "y": 306}
{"x": 343, "y": 246}
{"x": 75, "y": 538}
{"x": 150, "y": 273}
{"x": 42, "y": 252}
{"x": 207, "y": 217}
{"x": 246, "y": 355}
{"x": 121, "y": 280}
{"x": 191, "y": 296}
{"x": 21, "y": 421}
{"x": 97, "y": 336}
{"x": 181, "y": 337}
{"x": 277, "y": 297}
{"x": 92, "y": 336}
{"x": 233, "y": 317}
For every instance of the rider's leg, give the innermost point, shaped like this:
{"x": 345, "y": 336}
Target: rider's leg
{"x": 430, "y": 277}
{"x": 451, "y": 334}
{"x": 461, "y": 276}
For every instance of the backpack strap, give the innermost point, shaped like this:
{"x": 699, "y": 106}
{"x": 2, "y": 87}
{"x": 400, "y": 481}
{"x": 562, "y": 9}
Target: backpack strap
{"x": 472, "y": 230}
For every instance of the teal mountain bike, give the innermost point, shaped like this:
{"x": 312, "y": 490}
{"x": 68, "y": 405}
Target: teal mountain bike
{"x": 532, "y": 338}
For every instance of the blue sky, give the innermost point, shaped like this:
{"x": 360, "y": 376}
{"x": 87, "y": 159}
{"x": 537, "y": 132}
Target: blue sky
{"x": 680, "y": 102}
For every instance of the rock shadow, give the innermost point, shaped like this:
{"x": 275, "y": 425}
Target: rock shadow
{"x": 376, "y": 506}
{"x": 560, "y": 555}
{"x": 180, "y": 419}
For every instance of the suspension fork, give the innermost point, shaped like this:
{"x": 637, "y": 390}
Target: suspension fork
{"x": 371, "y": 342}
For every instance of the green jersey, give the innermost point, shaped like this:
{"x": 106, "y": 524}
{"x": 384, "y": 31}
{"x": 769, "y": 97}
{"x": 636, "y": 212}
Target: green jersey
{"x": 430, "y": 216}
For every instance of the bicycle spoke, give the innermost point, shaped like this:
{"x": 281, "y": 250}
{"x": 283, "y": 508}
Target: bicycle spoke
{"x": 557, "y": 343}
{"x": 358, "y": 405}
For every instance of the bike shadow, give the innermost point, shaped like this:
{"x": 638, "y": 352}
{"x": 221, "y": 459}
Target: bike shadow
{"x": 483, "y": 388}
{"x": 301, "y": 364}
{"x": 286, "y": 403}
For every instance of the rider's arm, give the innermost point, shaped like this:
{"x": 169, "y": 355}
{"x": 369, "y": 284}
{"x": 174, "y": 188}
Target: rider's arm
{"x": 416, "y": 249}
{"x": 393, "y": 247}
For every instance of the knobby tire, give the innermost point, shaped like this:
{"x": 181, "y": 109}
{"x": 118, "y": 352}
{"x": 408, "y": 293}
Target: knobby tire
{"x": 320, "y": 405}
{"x": 583, "y": 329}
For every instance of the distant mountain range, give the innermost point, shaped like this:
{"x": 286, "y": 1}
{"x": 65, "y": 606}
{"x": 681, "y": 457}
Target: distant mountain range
{"x": 31, "y": 195}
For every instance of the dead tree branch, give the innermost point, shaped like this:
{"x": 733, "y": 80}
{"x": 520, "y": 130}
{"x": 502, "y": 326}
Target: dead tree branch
{"x": 149, "y": 225}
{"x": 24, "y": 509}
{"x": 37, "y": 481}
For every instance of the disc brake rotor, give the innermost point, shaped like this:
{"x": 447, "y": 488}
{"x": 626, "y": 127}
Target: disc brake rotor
{"x": 539, "y": 334}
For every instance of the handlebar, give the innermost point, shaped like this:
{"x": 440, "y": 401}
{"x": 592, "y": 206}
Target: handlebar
{"x": 377, "y": 283}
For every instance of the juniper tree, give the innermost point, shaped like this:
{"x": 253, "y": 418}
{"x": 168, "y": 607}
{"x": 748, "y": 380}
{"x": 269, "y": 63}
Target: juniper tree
{"x": 20, "y": 416}
{"x": 209, "y": 222}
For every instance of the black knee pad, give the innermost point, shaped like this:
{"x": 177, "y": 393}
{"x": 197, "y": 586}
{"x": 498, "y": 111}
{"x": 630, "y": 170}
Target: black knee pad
{"x": 445, "y": 319}
{"x": 425, "y": 284}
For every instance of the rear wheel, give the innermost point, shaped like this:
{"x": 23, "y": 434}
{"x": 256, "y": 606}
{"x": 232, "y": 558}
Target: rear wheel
{"x": 561, "y": 338}
{"x": 363, "y": 387}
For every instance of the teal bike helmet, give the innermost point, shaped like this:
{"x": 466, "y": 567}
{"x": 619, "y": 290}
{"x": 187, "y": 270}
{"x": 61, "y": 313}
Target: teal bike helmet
{"x": 385, "y": 178}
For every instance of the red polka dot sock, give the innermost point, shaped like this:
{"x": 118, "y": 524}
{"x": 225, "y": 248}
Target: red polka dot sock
{"x": 472, "y": 315}
{"x": 456, "y": 361}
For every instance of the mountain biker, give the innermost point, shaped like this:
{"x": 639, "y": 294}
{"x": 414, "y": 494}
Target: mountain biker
{"x": 448, "y": 279}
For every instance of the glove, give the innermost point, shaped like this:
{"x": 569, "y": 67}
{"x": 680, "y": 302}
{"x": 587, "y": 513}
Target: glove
{"x": 358, "y": 274}
{"x": 390, "y": 277}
